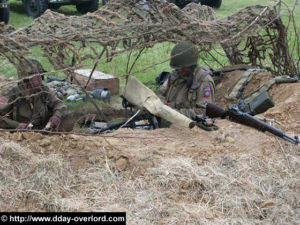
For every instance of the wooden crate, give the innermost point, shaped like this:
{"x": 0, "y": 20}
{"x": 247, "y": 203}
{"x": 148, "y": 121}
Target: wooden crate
{"x": 98, "y": 79}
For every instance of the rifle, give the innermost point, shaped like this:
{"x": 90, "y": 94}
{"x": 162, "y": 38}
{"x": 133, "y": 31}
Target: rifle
{"x": 220, "y": 72}
{"x": 236, "y": 115}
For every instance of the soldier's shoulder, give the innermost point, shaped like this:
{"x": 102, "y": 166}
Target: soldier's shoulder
{"x": 209, "y": 78}
{"x": 47, "y": 90}
{"x": 45, "y": 87}
{"x": 200, "y": 71}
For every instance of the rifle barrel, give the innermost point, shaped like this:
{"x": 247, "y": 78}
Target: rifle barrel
{"x": 218, "y": 72}
{"x": 290, "y": 139}
{"x": 247, "y": 119}
{"x": 244, "y": 118}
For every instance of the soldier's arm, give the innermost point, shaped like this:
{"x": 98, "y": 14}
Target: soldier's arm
{"x": 206, "y": 93}
{"x": 163, "y": 90}
{"x": 6, "y": 121}
{"x": 161, "y": 93}
{"x": 58, "y": 107}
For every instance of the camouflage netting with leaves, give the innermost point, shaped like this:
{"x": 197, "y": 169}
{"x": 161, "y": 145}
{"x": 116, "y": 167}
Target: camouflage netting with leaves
{"x": 253, "y": 35}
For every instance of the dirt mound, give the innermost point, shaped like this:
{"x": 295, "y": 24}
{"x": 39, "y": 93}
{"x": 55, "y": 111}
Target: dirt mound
{"x": 229, "y": 79}
{"x": 234, "y": 175}
{"x": 287, "y": 106}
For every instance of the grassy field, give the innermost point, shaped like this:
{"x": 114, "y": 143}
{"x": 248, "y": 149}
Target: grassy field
{"x": 151, "y": 57}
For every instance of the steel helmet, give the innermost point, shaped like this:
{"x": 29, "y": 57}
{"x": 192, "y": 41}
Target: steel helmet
{"x": 29, "y": 67}
{"x": 184, "y": 54}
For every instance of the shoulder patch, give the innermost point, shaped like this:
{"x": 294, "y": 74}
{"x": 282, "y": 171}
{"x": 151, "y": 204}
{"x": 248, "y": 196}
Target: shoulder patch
{"x": 3, "y": 100}
{"x": 207, "y": 93}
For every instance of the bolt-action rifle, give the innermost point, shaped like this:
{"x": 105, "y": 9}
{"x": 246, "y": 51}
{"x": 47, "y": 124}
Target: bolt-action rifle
{"x": 236, "y": 115}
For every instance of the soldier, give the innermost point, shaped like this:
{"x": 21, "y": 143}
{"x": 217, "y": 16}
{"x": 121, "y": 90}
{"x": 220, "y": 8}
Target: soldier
{"x": 30, "y": 104}
{"x": 212, "y": 3}
{"x": 190, "y": 86}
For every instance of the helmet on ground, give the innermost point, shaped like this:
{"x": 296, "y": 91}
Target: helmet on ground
{"x": 184, "y": 54}
{"x": 29, "y": 67}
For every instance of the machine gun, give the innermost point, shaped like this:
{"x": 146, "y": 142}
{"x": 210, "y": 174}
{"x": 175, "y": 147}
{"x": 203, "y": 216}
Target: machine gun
{"x": 137, "y": 121}
{"x": 145, "y": 120}
{"x": 236, "y": 115}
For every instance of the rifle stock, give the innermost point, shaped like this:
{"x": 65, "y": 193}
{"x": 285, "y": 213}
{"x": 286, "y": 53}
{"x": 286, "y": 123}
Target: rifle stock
{"x": 238, "y": 116}
{"x": 214, "y": 111}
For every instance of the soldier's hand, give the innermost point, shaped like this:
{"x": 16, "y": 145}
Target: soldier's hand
{"x": 23, "y": 126}
{"x": 168, "y": 104}
{"x": 209, "y": 121}
{"x": 205, "y": 120}
{"x": 54, "y": 122}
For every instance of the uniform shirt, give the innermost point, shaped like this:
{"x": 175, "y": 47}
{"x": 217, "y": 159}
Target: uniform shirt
{"x": 17, "y": 107}
{"x": 189, "y": 97}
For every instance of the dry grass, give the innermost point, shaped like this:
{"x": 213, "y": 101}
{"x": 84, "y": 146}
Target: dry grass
{"x": 30, "y": 180}
{"x": 246, "y": 190}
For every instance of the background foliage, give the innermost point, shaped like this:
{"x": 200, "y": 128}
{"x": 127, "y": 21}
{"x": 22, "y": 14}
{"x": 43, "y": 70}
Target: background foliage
{"x": 157, "y": 55}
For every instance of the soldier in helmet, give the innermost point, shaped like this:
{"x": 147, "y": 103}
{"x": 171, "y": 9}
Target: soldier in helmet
{"x": 190, "y": 86}
{"x": 30, "y": 104}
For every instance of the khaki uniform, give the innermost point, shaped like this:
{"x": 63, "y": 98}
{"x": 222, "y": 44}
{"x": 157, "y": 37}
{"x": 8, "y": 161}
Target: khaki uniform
{"x": 189, "y": 94}
{"x": 16, "y": 108}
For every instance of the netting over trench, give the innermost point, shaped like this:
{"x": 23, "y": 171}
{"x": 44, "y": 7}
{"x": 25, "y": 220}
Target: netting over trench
{"x": 254, "y": 35}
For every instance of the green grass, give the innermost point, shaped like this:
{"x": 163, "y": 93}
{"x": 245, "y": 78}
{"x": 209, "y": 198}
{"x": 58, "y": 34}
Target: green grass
{"x": 18, "y": 17}
{"x": 151, "y": 58}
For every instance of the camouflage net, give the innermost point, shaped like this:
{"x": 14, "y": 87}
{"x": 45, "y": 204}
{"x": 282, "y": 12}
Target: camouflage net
{"x": 122, "y": 26}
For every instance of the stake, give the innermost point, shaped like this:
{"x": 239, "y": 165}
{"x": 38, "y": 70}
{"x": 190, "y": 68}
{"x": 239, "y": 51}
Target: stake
{"x": 89, "y": 98}
{"x": 95, "y": 65}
